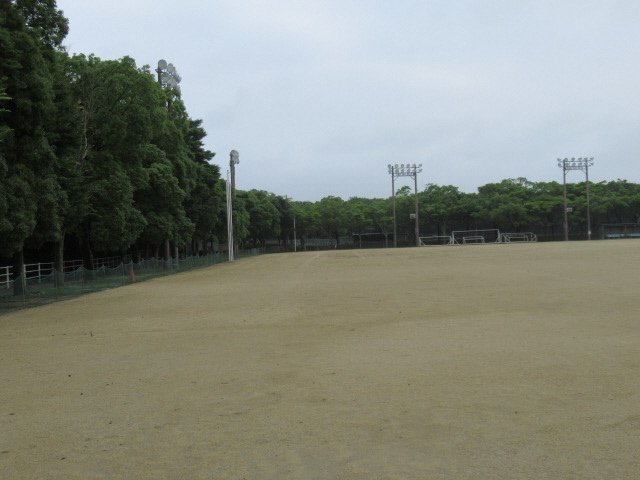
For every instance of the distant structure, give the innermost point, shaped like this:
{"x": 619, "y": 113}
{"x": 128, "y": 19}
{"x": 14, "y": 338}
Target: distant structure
{"x": 168, "y": 75}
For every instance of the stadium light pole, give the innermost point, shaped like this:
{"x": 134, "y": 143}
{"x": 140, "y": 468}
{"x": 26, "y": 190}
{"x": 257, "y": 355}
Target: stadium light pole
{"x": 392, "y": 170}
{"x": 582, "y": 164}
{"x": 415, "y": 183}
{"x": 168, "y": 75}
{"x": 234, "y": 159}
{"x": 405, "y": 170}
{"x": 169, "y": 78}
{"x": 229, "y": 220}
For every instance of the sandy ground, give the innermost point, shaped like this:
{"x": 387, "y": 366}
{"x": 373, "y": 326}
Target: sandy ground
{"x": 502, "y": 361}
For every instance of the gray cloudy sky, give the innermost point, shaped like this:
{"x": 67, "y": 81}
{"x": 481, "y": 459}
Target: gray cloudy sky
{"x": 319, "y": 96}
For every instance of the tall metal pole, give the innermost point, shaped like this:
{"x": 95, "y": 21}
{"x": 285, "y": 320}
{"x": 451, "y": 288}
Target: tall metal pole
{"x": 232, "y": 167}
{"x": 234, "y": 159}
{"x": 168, "y": 78}
{"x": 393, "y": 194}
{"x": 582, "y": 164}
{"x": 229, "y": 220}
{"x": 564, "y": 197}
{"x": 415, "y": 180}
{"x": 588, "y": 207}
{"x": 404, "y": 170}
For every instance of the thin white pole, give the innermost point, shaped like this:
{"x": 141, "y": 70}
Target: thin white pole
{"x": 229, "y": 220}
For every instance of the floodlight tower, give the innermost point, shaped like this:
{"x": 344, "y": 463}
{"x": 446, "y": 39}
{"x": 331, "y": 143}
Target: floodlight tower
{"x": 168, "y": 78}
{"x": 231, "y": 187}
{"x": 408, "y": 170}
{"x": 229, "y": 220}
{"x": 583, "y": 164}
{"x": 234, "y": 159}
{"x": 392, "y": 172}
{"x": 168, "y": 75}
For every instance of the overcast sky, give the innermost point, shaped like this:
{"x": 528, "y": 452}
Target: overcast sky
{"x": 319, "y": 96}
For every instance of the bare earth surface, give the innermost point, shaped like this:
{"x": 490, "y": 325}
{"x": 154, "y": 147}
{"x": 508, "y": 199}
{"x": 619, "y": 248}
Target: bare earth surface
{"x": 503, "y": 361}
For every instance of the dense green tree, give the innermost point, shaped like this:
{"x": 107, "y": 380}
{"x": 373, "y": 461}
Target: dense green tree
{"x": 4, "y": 128}
{"x": 333, "y": 217}
{"x": 357, "y": 216}
{"x": 380, "y": 215}
{"x": 286, "y": 215}
{"x": 405, "y": 207}
{"x": 307, "y": 220}
{"x": 440, "y": 205}
{"x": 194, "y": 137}
{"x": 46, "y": 22}
{"x": 504, "y": 204}
{"x": 118, "y": 159}
{"x": 181, "y": 140}
{"x": 205, "y": 205}
{"x": 264, "y": 217}
{"x": 120, "y": 111}
{"x": 33, "y": 198}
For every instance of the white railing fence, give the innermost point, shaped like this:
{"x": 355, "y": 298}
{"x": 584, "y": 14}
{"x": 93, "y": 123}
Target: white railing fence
{"x": 5, "y": 277}
{"x": 36, "y": 271}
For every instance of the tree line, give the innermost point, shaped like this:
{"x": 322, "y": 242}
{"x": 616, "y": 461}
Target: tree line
{"x": 97, "y": 157}
{"x": 512, "y": 205}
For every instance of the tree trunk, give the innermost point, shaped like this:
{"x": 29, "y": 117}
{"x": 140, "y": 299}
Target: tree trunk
{"x": 58, "y": 262}
{"x": 19, "y": 280}
{"x": 87, "y": 258}
{"x": 167, "y": 253}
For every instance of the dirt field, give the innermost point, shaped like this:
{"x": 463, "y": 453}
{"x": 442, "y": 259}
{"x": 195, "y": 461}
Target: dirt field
{"x": 502, "y": 361}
